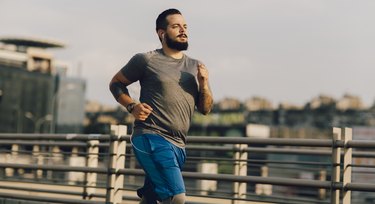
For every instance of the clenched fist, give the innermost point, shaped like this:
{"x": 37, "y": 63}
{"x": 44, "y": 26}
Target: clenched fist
{"x": 141, "y": 111}
{"x": 202, "y": 75}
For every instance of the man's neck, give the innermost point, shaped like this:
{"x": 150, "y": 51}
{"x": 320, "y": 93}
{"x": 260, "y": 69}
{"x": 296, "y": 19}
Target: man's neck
{"x": 176, "y": 54}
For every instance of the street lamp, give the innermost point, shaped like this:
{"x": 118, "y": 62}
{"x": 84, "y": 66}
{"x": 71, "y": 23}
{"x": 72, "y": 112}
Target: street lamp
{"x": 38, "y": 122}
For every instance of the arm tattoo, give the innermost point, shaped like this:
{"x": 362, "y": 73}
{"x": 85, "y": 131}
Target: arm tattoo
{"x": 117, "y": 89}
{"x": 205, "y": 101}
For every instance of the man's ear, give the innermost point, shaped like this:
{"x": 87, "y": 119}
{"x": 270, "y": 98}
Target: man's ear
{"x": 161, "y": 33}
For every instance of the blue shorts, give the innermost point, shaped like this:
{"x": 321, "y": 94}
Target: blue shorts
{"x": 162, "y": 162}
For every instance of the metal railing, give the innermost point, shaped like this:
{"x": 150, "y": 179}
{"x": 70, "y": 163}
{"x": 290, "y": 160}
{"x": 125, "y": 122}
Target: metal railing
{"x": 73, "y": 168}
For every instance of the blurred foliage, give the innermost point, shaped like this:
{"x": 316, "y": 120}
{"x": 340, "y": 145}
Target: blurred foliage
{"x": 219, "y": 118}
{"x": 225, "y": 168}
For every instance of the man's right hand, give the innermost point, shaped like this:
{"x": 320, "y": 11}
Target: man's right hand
{"x": 141, "y": 111}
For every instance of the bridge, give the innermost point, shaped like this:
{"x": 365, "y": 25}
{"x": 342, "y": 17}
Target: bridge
{"x": 101, "y": 169}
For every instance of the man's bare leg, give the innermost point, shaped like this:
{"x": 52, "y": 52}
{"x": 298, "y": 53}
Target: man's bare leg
{"x": 177, "y": 199}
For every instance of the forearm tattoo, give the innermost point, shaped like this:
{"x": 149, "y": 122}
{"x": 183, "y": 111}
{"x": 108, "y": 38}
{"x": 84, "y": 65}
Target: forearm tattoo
{"x": 205, "y": 102}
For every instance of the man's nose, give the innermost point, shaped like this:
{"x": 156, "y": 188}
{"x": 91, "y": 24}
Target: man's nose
{"x": 182, "y": 30}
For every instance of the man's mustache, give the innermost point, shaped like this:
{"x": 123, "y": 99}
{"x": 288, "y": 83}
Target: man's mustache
{"x": 182, "y": 35}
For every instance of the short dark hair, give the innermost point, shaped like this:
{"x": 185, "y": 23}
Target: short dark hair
{"x": 161, "y": 21}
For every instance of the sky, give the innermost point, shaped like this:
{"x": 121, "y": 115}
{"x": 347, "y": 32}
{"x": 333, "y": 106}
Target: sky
{"x": 282, "y": 50}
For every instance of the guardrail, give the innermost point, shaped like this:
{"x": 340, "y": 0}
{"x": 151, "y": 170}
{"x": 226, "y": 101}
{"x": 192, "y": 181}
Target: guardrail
{"x": 92, "y": 168}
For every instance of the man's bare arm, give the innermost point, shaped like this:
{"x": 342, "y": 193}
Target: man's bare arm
{"x": 118, "y": 87}
{"x": 205, "y": 100}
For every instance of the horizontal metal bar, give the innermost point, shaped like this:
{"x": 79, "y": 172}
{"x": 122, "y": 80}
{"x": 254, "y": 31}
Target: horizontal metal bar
{"x": 255, "y": 141}
{"x": 134, "y": 172}
{"x": 210, "y": 148}
{"x": 253, "y": 197}
{"x": 231, "y": 193}
{"x": 254, "y": 179}
{"x": 361, "y": 144}
{"x": 363, "y": 154}
{"x": 56, "y": 168}
{"x": 262, "y": 161}
{"x": 360, "y": 187}
{"x": 224, "y": 198}
{"x": 49, "y": 182}
{"x": 104, "y": 144}
{"x": 98, "y": 195}
{"x": 259, "y": 141}
{"x": 198, "y": 139}
{"x": 295, "y": 168}
{"x": 362, "y": 172}
{"x": 318, "y": 152}
{"x": 47, "y": 199}
{"x": 277, "y": 198}
{"x": 51, "y": 154}
{"x": 262, "y": 150}
{"x": 262, "y": 199}
{"x": 41, "y": 190}
{"x": 292, "y": 162}
{"x": 44, "y": 143}
{"x": 362, "y": 165}
{"x": 72, "y": 137}
{"x": 263, "y": 180}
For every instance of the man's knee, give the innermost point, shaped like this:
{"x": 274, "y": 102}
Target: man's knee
{"x": 176, "y": 199}
{"x": 179, "y": 198}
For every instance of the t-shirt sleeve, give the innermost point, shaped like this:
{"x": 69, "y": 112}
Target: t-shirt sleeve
{"x": 135, "y": 68}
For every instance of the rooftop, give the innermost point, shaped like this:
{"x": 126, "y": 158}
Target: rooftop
{"x": 31, "y": 42}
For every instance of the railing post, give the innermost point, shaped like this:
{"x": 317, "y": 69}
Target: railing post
{"x": 207, "y": 186}
{"x": 240, "y": 169}
{"x": 116, "y": 161}
{"x": 347, "y": 177}
{"x": 92, "y": 162}
{"x": 57, "y": 157}
{"x": 12, "y": 158}
{"x": 132, "y": 165}
{"x": 75, "y": 160}
{"x": 263, "y": 189}
{"x": 322, "y": 191}
{"x": 336, "y": 156}
{"x": 38, "y": 174}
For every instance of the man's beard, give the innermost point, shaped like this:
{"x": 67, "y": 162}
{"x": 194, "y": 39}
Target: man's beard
{"x": 180, "y": 46}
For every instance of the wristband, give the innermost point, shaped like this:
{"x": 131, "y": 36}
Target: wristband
{"x": 130, "y": 107}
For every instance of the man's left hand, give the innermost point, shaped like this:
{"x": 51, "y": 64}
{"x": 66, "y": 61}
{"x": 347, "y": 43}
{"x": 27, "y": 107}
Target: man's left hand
{"x": 202, "y": 75}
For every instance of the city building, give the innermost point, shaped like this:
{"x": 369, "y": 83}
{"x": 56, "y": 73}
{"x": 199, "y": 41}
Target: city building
{"x": 322, "y": 101}
{"x": 24, "y": 106}
{"x": 229, "y": 104}
{"x": 258, "y": 103}
{"x": 348, "y": 102}
{"x": 35, "y": 95}
{"x": 69, "y": 102}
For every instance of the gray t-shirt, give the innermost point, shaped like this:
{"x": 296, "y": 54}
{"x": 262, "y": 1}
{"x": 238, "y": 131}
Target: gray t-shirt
{"x": 170, "y": 87}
